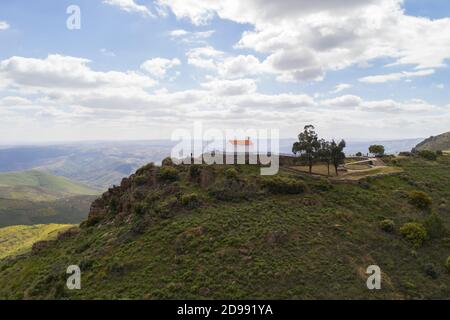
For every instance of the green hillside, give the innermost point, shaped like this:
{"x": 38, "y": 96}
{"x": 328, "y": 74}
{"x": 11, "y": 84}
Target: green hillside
{"x": 39, "y": 186}
{"x": 435, "y": 143}
{"x": 215, "y": 232}
{"x": 18, "y": 240}
{"x": 34, "y": 197}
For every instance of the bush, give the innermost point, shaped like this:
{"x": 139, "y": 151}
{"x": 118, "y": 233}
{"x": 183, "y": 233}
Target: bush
{"x": 387, "y": 225}
{"x": 359, "y": 154}
{"x": 233, "y": 190}
{"x": 167, "y": 162}
{"x": 414, "y": 233}
{"x": 146, "y": 168}
{"x": 194, "y": 172}
{"x": 447, "y": 264}
{"x": 439, "y": 153}
{"x": 231, "y": 174}
{"x": 138, "y": 226}
{"x": 430, "y": 270}
{"x": 190, "y": 201}
{"x": 168, "y": 174}
{"x": 166, "y": 208}
{"x": 141, "y": 180}
{"x": 428, "y": 155}
{"x": 280, "y": 185}
{"x": 434, "y": 226}
{"x": 420, "y": 200}
{"x": 141, "y": 208}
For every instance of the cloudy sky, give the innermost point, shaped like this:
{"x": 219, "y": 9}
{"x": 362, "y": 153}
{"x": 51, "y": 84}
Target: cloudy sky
{"x": 139, "y": 69}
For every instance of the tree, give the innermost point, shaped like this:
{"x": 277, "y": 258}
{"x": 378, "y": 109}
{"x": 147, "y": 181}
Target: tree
{"x": 359, "y": 154}
{"x": 325, "y": 153}
{"x": 337, "y": 153}
{"x": 308, "y": 145}
{"x": 377, "y": 150}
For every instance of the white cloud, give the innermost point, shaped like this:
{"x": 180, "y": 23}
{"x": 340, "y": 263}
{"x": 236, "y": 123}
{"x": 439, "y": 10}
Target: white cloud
{"x": 231, "y": 88}
{"x": 198, "y": 37}
{"x": 304, "y": 39}
{"x": 178, "y": 33}
{"x": 66, "y": 92}
{"x": 346, "y": 101}
{"x": 158, "y": 66}
{"x": 204, "y": 57}
{"x": 4, "y": 25}
{"x": 397, "y": 76}
{"x": 107, "y": 53}
{"x": 130, "y": 6}
{"x": 341, "y": 87}
{"x": 58, "y": 73}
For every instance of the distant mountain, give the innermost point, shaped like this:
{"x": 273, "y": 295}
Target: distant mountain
{"x": 35, "y": 197}
{"x": 437, "y": 143}
{"x": 40, "y": 186}
{"x": 97, "y": 164}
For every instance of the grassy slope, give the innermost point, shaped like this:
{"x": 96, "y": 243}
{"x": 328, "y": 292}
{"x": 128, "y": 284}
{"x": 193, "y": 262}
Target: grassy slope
{"x": 39, "y": 186}
{"x": 223, "y": 249}
{"x": 35, "y": 197}
{"x": 18, "y": 240}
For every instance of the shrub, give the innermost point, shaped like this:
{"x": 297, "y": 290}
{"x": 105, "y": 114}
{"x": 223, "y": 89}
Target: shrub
{"x": 168, "y": 174}
{"x": 194, "y": 172}
{"x": 280, "y": 185}
{"x": 141, "y": 180}
{"x": 138, "y": 226}
{"x": 430, "y": 270}
{"x": 165, "y": 209}
{"x": 145, "y": 168}
{"x": 428, "y": 155}
{"x": 167, "y": 162}
{"x": 387, "y": 225}
{"x": 231, "y": 174}
{"x": 233, "y": 190}
{"x": 439, "y": 153}
{"x": 434, "y": 226}
{"x": 323, "y": 186}
{"x": 190, "y": 201}
{"x": 359, "y": 154}
{"x": 414, "y": 233}
{"x": 420, "y": 200}
{"x": 447, "y": 264}
{"x": 141, "y": 208}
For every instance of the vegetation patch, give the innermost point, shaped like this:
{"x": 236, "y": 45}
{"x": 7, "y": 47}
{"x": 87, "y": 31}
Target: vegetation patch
{"x": 420, "y": 200}
{"x": 415, "y": 233}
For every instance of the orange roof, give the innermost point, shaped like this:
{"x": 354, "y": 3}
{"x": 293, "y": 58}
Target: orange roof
{"x": 247, "y": 142}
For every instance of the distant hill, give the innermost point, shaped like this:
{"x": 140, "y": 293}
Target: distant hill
{"x": 34, "y": 197}
{"x": 437, "y": 143}
{"x": 40, "y": 186}
{"x": 97, "y": 164}
{"x": 18, "y": 240}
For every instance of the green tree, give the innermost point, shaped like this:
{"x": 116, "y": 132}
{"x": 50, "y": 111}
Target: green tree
{"x": 308, "y": 145}
{"x": 325, "y": 153}
{"x": 377, "y": 150}
{"x": 337, "y": 153}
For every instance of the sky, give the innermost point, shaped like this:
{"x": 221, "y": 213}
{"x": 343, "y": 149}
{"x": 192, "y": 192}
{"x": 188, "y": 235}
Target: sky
{"x": 141, "y": 69}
